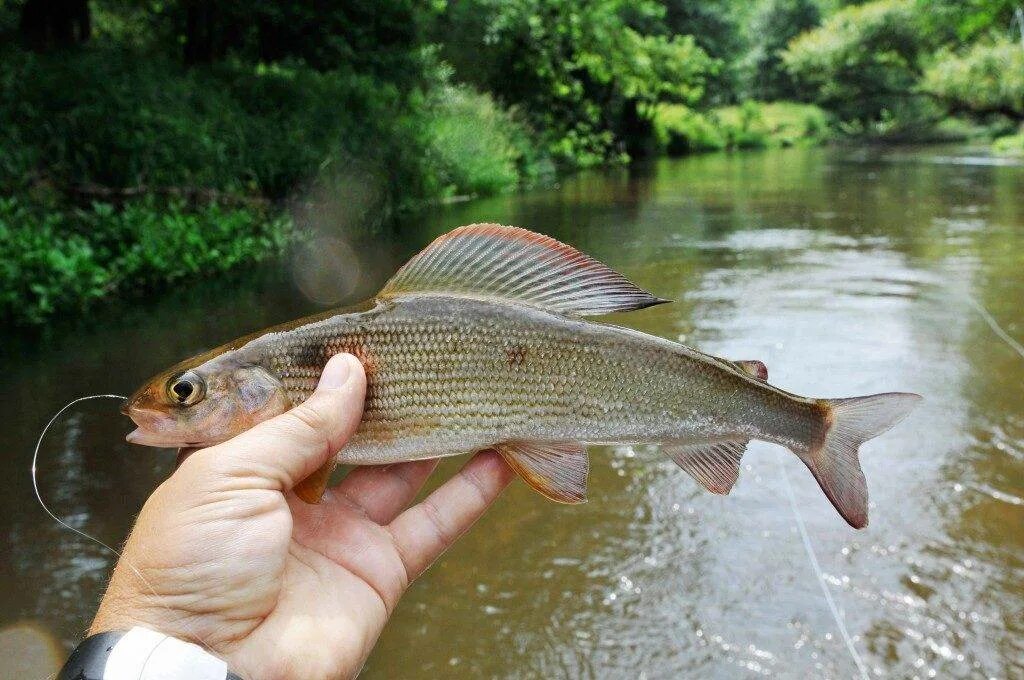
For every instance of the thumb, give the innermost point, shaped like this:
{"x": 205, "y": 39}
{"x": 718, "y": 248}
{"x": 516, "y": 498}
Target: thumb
{"x": 286, "y": 449}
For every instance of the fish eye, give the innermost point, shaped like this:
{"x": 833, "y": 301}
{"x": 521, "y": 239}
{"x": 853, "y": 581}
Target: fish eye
{"x": 186, "y": 389}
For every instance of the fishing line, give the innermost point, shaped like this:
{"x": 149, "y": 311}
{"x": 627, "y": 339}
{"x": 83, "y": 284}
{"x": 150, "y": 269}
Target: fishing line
{"x": 821, "y": 576}
{"x": 994, "y": 325}
{"x": 120, "y": 556}
{"x": 35, "y": 477}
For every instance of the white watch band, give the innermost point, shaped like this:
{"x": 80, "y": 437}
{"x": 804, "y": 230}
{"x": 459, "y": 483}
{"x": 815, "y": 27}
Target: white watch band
{"x": 147, "y": 655}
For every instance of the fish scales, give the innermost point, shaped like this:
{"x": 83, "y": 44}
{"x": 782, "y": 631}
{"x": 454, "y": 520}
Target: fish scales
{"x": 447, "y": 375}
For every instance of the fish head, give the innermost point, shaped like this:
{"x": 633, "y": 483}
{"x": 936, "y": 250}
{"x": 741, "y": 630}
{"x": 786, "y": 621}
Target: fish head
{"x": 204, "y": 403}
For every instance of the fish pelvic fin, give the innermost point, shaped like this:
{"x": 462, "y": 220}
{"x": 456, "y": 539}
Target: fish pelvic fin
{"x": 556, "y": 470}
{"x": 714, "y": 464}
{"x": 510, "y": 263}
{"x": 311, "y": 489}
{"x": 834, "y": 461}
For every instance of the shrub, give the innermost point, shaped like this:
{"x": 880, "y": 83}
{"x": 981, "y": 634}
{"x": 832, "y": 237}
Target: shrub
{"x": 111, "y": 118}
{"x": 680, "y": 130}
{"x": 477, "y": 146}
{"x": 1010, "y": 145}
{"x": 862, "y": 62}
{"x": 987, "y": 77}
{"x": 53, "y": 261}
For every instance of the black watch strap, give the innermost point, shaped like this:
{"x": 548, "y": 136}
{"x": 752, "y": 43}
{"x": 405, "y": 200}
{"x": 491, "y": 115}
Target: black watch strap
{"x": 140, "y": 653}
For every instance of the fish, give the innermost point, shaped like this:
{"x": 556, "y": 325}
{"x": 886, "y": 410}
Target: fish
{"x": 483, "y": 341}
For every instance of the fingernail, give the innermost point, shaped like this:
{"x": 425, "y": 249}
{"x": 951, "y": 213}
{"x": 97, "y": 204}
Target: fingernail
{"x": 336, "y": 372}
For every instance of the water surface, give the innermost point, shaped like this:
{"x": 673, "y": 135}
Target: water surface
{"x": 846, "y": 271}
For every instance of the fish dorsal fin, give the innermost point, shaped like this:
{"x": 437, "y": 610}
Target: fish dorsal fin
{"x": 517, "y": 264}
{"x": 716, "y": 465}
{"x": 557, "y": 470}
{"x": 753, "y": 368}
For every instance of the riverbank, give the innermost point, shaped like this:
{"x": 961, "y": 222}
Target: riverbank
{"x": 121, "y": 176}
{"x": 68, "y": 242}
{"x": 140, "y": 147}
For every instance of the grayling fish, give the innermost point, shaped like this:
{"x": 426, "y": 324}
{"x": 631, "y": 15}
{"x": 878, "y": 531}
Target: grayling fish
{"x": 480, "y": 341}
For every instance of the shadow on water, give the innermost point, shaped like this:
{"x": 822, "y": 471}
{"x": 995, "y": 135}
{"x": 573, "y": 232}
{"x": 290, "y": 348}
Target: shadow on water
{"x": 846, "y": 271}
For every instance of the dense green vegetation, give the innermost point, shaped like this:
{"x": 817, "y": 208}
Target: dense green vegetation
{"x": 141, "y": 142}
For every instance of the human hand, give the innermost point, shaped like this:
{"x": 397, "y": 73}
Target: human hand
{"x": 230, "y": 558}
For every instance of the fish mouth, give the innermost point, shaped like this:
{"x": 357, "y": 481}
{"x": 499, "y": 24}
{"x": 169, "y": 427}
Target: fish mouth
{"x": 144, "y": 438}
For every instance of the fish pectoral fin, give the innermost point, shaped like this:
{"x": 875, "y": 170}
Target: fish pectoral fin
{"x": 715, "y": 464}
{"x": 557, "y": 470}
{"x": 516, "y": 264}
{"x": 311, "y": 489}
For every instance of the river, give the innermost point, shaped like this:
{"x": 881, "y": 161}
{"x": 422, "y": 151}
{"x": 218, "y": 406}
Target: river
{"x": 847, "y": 271}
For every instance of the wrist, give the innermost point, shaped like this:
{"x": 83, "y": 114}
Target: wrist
{"x": 142, "y": 654}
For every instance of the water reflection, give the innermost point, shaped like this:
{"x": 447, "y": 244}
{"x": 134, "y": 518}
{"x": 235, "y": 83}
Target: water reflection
{"x": 845, "y": 271}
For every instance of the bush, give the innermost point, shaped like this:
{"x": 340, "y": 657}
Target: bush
{"x": 988, "y": 77}
{"x": 862, "y": 63}
{"x": 680, "y": 130}
{"x": 1010, "y": 145}
{"x": 111, "y": 118}
{"x": 751, "y": 125}
{"x": 478, "y": 147}
{"x": 52, "y": 261}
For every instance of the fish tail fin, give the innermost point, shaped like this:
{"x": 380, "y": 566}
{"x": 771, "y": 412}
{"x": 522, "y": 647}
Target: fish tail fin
{"x": 834, "y": 461}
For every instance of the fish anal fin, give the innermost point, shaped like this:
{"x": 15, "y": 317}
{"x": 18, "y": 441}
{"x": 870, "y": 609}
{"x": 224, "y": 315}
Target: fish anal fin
{"x": 311, "y": 489}
{"x": 556, "y": 470}
{"x": 516, "y": 264}
{"x": 714, "y": 464}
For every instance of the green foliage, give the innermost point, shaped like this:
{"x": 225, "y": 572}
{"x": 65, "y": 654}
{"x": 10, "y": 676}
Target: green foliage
{"x": 478, "y": 147}
{"x": 716, "y": 27}
{"x": 987, "y": 77}
{"x": 410, "y": 102}
{"x": 955, "y": 22}
{"x": 681, "y": 130}
{"x": 110, "y": 118}
{"x": 755, "y": 124}
{"x": 384, "y": 40}
{"x": 774, "y": 25}
{"x": 863, "y": 62}
{"x": 752, "y": 125}
{"x": 1010, "y": 145}
{"x": 53, "y": 261}
{"x": 583, "y": 80}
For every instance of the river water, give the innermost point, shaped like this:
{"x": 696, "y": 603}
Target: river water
{"x": 846, "y": 271}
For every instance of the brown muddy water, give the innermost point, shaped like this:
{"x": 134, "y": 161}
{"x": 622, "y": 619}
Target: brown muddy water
{"x": 846, "y": 271}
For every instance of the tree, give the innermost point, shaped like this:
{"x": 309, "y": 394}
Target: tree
{"x": 715, "y": 27}
{"x": 955, "y": 22}
{"x": 584, "y": 80}
{"x": 776, "y": 23}
{"x": 987, "y": 77}
{"x": 47, "y": 24}
{"x": 863, "y": 63}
